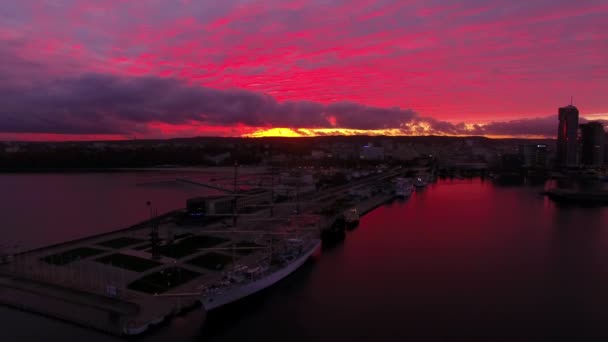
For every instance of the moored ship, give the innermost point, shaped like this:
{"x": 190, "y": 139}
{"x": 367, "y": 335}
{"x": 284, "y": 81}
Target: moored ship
{"x": 244, "y": 280}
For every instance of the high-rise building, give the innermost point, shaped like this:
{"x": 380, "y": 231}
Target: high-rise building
{"x": 534, "y": 155}
{"x": 567, "y": 134}
{"x": 592, "y": 144}
{"x": 605, "y": 148}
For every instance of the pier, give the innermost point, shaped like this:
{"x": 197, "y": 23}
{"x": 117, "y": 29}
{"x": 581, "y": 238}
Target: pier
{"x": 124, "y": 283}
{"x": 205, "y": 184}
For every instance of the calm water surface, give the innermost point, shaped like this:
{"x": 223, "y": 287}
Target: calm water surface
{"x": 42, "y": 209}
{"x": 461, "y": 260}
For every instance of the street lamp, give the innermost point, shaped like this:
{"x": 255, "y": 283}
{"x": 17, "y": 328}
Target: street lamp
{"x": 149, "y": 204}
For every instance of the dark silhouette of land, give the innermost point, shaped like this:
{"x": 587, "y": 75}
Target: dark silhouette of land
{"x": 217, "y": 151}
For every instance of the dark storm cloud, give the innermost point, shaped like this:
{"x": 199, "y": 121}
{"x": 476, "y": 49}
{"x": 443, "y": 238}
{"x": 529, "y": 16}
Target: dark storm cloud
{"x": 352, "y": 115}
{"x": 110, "y": 104}
{"x": 444, "y": 127}
{"x": 546, "y": 126}
{"x": 539, "y": 126}
{"x": 104, "y": 104}
{"x": 543, "y": 126}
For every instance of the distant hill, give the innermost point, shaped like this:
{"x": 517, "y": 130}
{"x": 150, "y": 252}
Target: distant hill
{"x": 206, "y": 151}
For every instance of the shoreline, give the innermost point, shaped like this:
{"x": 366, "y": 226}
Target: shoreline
{"x": 126, "y": 169}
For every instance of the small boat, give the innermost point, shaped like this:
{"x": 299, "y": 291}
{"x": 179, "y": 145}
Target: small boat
{"x": 403, "y": 189}
{"x": 351, "y": 216}
{"x": 419, "y": 182}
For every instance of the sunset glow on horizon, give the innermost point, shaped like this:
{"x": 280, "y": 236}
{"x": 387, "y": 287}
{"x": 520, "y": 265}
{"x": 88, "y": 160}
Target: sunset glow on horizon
{"x": 83, "y": 70}
{"x": 307, "y": 132}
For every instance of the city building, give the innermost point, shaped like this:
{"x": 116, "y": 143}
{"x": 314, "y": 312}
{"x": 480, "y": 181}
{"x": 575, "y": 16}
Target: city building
{"x": 319, "y": 154}
{"x": 217, "y": 159}
{"x": 592, "y": 144}
{"x": 401, "y": 152}
{"x": 534, "y": 155}
{"x": 567, "y": 134}
{"x": 210, "y": 205}
{"x": 605, "y": 148}
{"x": 510, "y": 162}
{"x": 12, "y": 148}
{"x": 371, "y": 152}
{"x": 345, "y": 151}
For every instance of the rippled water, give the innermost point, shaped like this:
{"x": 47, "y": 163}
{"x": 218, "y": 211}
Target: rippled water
{"x": 461, "y": 260}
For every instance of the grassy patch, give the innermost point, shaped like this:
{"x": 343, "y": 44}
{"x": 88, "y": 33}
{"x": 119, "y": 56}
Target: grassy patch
{"x": 211, "y": 261}
{"x": 189, "y": 246}
{"x": 128, "y": 262}
{"x": 71, "y": 255}
{"x": 120, "y": 242}
{"x": 161, "y": 281}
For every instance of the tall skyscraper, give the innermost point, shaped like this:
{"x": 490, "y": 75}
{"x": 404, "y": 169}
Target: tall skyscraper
{"x": 592, "y": 144}
{"x": 567, "y": 133}
{"x": 606, "y": 148}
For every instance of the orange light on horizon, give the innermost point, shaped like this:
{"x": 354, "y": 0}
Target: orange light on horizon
{"x": 274, "y": 132}
{"x": 286, "y": 132}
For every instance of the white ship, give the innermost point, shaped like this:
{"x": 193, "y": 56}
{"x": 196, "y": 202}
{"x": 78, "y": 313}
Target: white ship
{"x": 244, "y": 280}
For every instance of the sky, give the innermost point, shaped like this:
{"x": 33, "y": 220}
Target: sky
{"x": 117, "y": 69}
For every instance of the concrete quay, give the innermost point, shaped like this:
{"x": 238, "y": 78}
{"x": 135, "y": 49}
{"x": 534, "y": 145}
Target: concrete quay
{"x": 111, "y": 282}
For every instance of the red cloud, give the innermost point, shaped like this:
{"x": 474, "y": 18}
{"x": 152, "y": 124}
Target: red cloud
{"x": 466, "y": 61}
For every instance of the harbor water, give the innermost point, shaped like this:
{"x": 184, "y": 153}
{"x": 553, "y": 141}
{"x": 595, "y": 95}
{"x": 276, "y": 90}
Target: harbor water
{"x": 462, "y": 259}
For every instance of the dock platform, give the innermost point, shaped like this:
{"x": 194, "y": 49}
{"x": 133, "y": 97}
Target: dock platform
{"x": 111, "y": 282}
{"x": 122, "y": 284}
